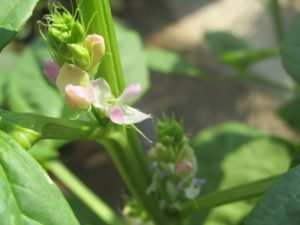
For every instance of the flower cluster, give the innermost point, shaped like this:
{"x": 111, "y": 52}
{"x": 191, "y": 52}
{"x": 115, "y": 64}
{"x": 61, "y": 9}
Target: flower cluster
{"x": 174, "y": 167}
{"x": 77, "y": 59}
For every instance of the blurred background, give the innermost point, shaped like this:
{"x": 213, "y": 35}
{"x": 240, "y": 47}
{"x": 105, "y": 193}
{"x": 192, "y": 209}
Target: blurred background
{"x": 204, "y": 61}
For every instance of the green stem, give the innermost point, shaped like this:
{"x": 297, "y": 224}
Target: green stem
{"x": 227, "y": 196}
{"x": 135, "y": 175}
{"x": 96, "y": 15}
{"x": 100, "y": 208}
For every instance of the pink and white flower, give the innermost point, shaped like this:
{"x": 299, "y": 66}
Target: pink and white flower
{"x": 115, "y": 108}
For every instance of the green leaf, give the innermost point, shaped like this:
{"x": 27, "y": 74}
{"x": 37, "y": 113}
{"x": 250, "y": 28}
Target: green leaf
{"x": 132, "y": 56}
{"x": 290, "y": 113}
{"x": 234, "y": 51}
{"x": 281, "y": 204}
{"x": 13, "y": 15}
{"x": 53, "y": 128}
{"x": 222, "y": 41}
{"x": 290, "y": 50}
{"x": 7, "y": 61}
{"x": 28, "y": 89}
{"x": 242, "y": 59}
{"x": 27, "y": 195}
{"x": 169, "y": 62}
{"x": 233, "y": 154}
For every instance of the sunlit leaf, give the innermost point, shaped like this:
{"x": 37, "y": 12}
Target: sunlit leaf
{"x": 27, "y": 195}
{"x": 234, "y": 154}
{"x": 281, "y": 204}
{"x": 13, "y": 15}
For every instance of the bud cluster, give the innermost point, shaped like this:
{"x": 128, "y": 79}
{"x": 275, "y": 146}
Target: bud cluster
{"x": 69, "y": 43}
{"x": 77, "y": 56}
{"x": 174, "y": 167}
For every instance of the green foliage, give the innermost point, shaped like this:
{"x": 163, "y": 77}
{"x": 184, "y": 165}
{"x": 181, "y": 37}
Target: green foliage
{"x": 28, "y": 196}
{"x": 281, "y": 204}
{"x": 290, "y": 50}
{"x": 169, "y": 62}
{"x": 28, "y": 90}
{"x": 133, "y": 56}
{"x": 242, "y": 59}
{"x": 13, "y": 15}
{"x": 290, "y": 113}
{"x": 234, "y": 51}
{"x": 222, "y": 42}
{"x": 53, "y": 128}
{"x": 233, "y": 154}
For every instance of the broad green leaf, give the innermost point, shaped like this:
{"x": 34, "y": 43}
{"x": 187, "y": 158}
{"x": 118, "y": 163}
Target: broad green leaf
{"x": 290, "y": 50}
{"x": 13, "y": 15}
{"x": 132, "y": 56}
{"x": 52, "y": 128}
{"x": 169, "y": 62}
{"x": 27, "y": 195}
{"x": 242, "y": 59}
{"x": 28, "y": 89}
{"x": 290, "y": 113}
{"x": 281, "y": 204}
{"x": 234, "y": 154}
{"x": 222, "y": 41}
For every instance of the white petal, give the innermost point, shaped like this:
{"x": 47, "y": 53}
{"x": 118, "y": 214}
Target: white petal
{"x": 132, "y": 115}
{"x": 101, "y": 91}
{"x": 129, "y": 93}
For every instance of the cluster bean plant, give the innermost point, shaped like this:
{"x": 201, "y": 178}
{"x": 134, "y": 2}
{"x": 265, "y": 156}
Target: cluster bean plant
{"x": 173, "y": 179}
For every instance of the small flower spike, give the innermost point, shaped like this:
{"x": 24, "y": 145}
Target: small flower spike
{"x": 115, "y": 108}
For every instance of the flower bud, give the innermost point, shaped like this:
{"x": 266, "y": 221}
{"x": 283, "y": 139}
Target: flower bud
{"x": 63, "y": 29}
{"x": 184, "y": 168}
{"x": 79, "y": 55}
{"x": 71, "y": 74}
{"x": 96, "y": 47}
{"x": 78, "y": 97}
{"x": 51, "y": 69}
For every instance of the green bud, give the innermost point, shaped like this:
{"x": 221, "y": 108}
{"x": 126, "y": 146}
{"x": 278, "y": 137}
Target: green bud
{"x": 63, "y": 29}
{"x": 79, "y": 55}
{"x": 25, "y": 137}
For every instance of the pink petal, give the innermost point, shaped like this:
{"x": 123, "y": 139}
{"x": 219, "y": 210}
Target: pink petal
{"x": 116, "y": 115}
{"x": 129, "y": 93}
{"x": 78, "y": 97}
{"x": 51, "y": 69}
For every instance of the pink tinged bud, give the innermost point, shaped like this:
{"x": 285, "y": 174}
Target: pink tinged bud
{"x": 51, "y": 69}
{"x": 130, "y": 93}
{"x": 184, "y": 168}
{"x": 71, "y": 74}
{"x": 78, "y": 97}
{"x": 96, "y": 46}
